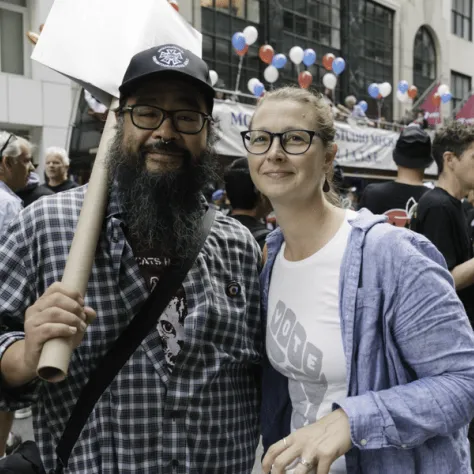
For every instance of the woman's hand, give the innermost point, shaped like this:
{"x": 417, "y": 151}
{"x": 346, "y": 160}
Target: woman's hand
{"x": 316, "y": 446}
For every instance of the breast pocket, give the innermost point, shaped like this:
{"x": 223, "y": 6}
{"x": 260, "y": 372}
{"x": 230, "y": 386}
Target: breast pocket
{"x": 369, "y": 321}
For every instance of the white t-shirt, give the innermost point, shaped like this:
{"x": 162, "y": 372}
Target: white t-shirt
{"x": 303, "y": 337}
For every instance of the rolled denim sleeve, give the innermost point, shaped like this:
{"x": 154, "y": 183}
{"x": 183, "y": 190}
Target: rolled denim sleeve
{"x": 435, "y": 341}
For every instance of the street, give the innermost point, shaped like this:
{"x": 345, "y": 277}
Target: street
{"x": 25, "y": 429}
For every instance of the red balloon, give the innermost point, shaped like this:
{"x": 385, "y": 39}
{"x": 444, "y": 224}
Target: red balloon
{"x": 305, "y": 79}
{"x": 328, "y": 60}
{"x": 243, "y": 52}
{"x": 436, "y": 99}
{"x": 380, "y": 96}
{"x": 412, "y": 92}
{"x": 266, "y": 53}
{"x": 174, "y": 4}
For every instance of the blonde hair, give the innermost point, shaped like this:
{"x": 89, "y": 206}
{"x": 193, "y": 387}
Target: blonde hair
{"x": 324, "y": 122}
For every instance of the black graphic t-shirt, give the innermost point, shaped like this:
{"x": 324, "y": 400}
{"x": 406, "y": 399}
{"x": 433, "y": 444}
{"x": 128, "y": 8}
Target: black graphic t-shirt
{"x": 393, "y": 199}
{"x": 171, "y": 322}
{"x": 442, "y": 220}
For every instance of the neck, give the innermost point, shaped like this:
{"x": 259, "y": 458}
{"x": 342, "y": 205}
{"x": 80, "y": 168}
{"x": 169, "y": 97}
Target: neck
{"x": 307, "y": 227}
{"x": 451, "y": 186}
{"x": 410, "y": 176}
{"x": 56, "y": 181}
{"x": 244, "y": 212}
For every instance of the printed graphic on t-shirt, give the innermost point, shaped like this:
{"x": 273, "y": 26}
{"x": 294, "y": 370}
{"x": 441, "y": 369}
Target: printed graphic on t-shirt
{"x": 402, "y": 217}
{"x": 170, "y": 325}
{"x": 289, "y": 349}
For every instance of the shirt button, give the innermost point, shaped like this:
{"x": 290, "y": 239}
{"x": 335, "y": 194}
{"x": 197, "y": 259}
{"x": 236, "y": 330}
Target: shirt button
{"x": 363, "y": 442}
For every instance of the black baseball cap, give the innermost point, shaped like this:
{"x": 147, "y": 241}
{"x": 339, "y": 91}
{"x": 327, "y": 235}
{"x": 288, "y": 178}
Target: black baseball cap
{"x": 413, "y": 148}
{"x": 170, "y": 61}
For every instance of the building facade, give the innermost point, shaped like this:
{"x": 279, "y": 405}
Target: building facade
{"x": 35, "y": 102}
{"x": 420, "y": 41}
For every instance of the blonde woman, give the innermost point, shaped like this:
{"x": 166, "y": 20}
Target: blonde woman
{"x": 370, "y": 353}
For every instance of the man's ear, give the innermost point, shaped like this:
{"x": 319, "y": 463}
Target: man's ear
{"x": 7, "y": 162}
{"x": 448, "y": 158}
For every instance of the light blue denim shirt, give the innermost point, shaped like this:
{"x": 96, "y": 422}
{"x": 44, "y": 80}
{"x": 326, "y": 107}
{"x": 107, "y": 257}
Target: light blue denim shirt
{"x": 409, "y": 352}
{"x": 10, "y": 206}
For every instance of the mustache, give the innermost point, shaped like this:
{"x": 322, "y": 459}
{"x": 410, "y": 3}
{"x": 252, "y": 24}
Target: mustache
{"x": 160, "y": 145}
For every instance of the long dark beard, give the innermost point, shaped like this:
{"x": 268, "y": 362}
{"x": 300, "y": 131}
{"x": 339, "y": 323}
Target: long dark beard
{"x": 162, "y": 210}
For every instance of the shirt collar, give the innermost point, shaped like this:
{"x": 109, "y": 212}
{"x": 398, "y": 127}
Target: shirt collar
{"x": 5, "y": 188}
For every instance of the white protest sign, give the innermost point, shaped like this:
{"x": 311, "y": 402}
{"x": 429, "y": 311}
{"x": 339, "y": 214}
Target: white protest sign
{"x": 92, "y": 41}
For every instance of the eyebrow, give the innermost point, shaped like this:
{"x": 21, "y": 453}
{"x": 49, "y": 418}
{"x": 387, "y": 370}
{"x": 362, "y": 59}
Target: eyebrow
{"x": 186, "y": 100}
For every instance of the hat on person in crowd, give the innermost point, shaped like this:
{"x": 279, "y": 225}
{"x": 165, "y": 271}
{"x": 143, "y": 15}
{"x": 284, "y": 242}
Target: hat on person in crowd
{"x": 413, "y": 148}
{"x": 169, "y": 61}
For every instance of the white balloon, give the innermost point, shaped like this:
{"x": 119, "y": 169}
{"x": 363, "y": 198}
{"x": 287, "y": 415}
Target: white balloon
{"x": 252, "y": 83}
{"x": 214, "y": 77}
{"x": 385, "y": 89}
{"x": 329, "y": 80}
{"x": 403, "y": 97}
{"x": 443, "y": 89}
{"x": 251, "y": 34}
{"x": 271, "y": 74}
{"x": 296, "y": 55}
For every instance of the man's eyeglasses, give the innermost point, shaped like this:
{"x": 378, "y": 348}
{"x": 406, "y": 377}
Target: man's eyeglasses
{"x": 149, "y": 117}
{"x": 4, "y": 147}
{"x": 293, "y": 142}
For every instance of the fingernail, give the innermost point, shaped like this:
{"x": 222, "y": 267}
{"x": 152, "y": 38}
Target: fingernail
{"x": 72, "y": 329}
{"x": 83, "y": 326}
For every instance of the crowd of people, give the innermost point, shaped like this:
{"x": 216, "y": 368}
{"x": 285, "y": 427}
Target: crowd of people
{"x": 341, "y": 339}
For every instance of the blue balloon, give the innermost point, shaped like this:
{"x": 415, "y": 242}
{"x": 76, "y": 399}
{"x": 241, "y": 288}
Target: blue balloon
{"x": 279, "y": 61}
{"x": 238, "y": 41}
{"x": 374, "y": 91}
{"x": 258, "y": 89}
{"x": 338, "y": 66}
{"x": 363, "y": 105}
{"x": 403, "y": 86}
{"x": 309, "y": 57}
{"x": 446, "y": 97}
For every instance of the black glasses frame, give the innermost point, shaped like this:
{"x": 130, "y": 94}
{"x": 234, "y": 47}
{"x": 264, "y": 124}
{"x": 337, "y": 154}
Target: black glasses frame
{"x": 4, "y": 147}
{"x": 166, "y": 114}
{"x": 311, "y": 134}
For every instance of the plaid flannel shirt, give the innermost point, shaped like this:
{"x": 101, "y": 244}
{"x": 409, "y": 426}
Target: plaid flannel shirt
{"x": 202, "y": 418}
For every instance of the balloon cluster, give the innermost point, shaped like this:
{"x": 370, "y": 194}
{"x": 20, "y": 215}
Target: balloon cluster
{"x": 443, "y": 94}
{"x": 308, "y": 58}
{"x": 336, "y": 65}
{"x": 405, "y": 92}
{"x": 242, "y": 40}
{"x": 256, "y": 87}
{"x": 380, "y": 91}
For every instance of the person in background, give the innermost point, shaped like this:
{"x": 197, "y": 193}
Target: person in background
{"x": 245, "y": 200}
{"x": 468, "y": 206}
{"x": 370, "y": 365}
{"x": 33, "y": 190}
{"x": 56, "y": 169}
{"x": 15, "y": 167}
{"x": 220, "y": 201}
{"x": 396, "y": 199}
{"x": 440, "y": 214}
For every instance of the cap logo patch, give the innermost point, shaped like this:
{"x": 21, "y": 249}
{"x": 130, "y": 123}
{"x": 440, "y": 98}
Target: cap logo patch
{"x": 171, "y": 57}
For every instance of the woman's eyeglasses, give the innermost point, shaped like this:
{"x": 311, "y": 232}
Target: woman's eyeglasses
{"x": 293, "y": 142}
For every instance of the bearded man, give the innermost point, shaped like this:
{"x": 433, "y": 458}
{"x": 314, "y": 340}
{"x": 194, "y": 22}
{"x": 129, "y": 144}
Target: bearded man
{"x": 196, "y": 410}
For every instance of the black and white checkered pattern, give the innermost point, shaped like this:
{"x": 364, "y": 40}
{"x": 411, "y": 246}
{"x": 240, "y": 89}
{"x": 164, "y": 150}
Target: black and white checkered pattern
{"x": 202, "y": 418}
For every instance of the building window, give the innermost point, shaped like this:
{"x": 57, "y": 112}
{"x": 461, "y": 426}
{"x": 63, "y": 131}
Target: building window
{"x": 312, "y": 24}
{"x": 460, "y": 88}
{"x": 424, "y": 60}
{"x": 12, "y": 36}
{"x": 375, "y": 59}
{"x": 461, "y": 18}
{"x": 219, "y": 20}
